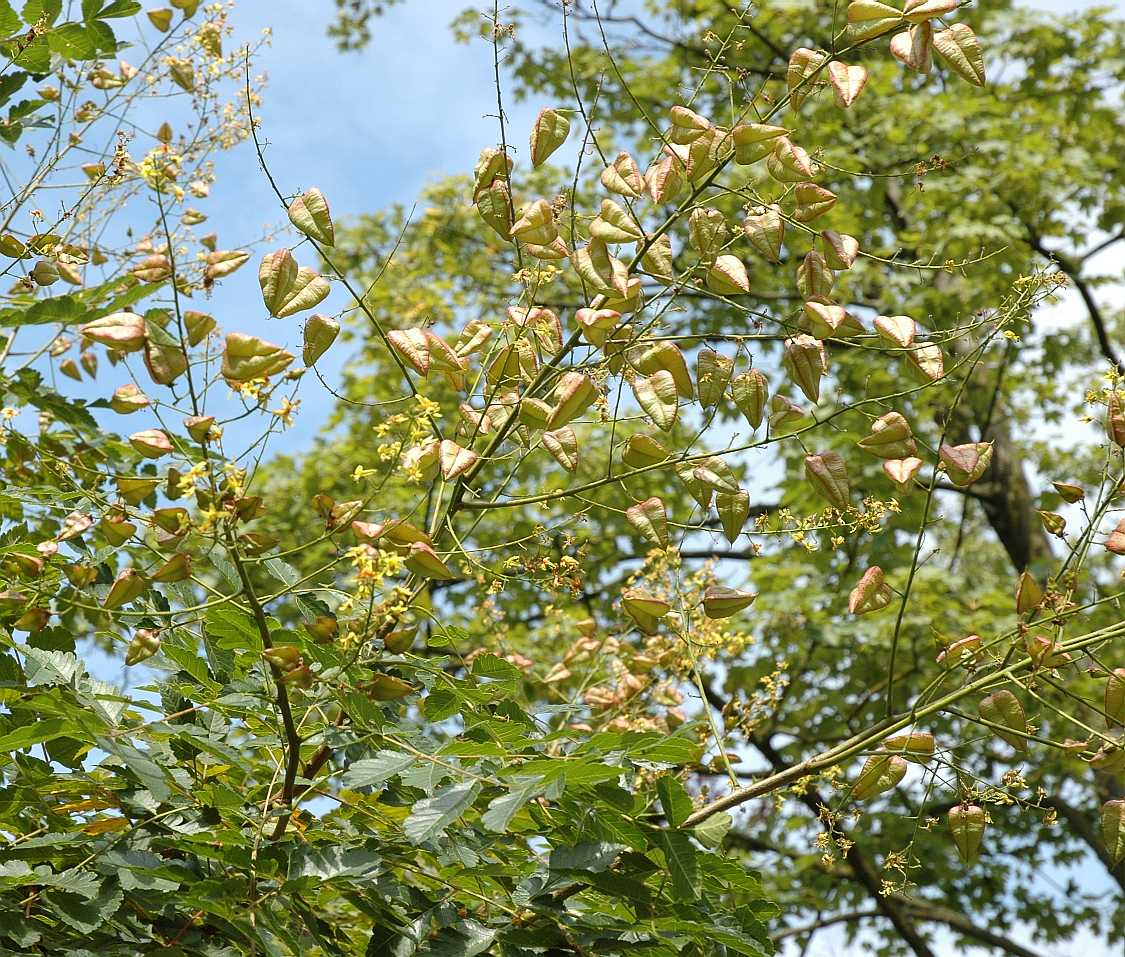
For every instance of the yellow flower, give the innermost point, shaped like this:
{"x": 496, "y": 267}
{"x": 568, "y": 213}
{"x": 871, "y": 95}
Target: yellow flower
{"x": 287, "y": 411}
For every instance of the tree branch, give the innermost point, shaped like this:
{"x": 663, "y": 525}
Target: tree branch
{"x": 1073, "y": 272}
{"x": 845, "y": 917}
{"x": 1082, "y": 826}
{"x": 292, "y": 738}
{"x": 863, "y": 870}
{"x": 943, "y": 915}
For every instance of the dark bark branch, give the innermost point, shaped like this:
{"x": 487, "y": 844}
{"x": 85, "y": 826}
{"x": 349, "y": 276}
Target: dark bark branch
{"x": 1081, "y": 825}
{"x": 292, "y": 737}
{"x": 863, "y": 871}
{"x": 1101, "y": 247}
{"x": 960, "y": 923}
{"x": 846, "y": 917}
{"x": 1073, "y": 272}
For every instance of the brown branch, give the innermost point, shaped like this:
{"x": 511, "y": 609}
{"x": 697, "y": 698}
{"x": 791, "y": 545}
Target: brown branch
{"x": 845, "y": 917}
{"x": 292, "y": 737}
{"x": 943, "y": 915}
{"x": 863, "y": 870}
{"x": 1102, "y": 246}
{"x": 1073, "y": 272}
{"x": 1081, "y": 825}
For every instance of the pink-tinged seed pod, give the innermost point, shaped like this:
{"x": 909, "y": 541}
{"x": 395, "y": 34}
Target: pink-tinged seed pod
{"x": 151, "y": 443}
{"x": 121, "y": 331}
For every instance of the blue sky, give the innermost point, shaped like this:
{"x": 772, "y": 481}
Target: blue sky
{"x": 369, "y": 129}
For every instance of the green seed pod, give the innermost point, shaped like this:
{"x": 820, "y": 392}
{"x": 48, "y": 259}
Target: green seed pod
{"x": 650, "y": 518}
{"x": 966, "y": 824}
{"x": 320, "y": 333}
{"x": 128, "y": 585}
{"x": 1004, "y": 708}
{"x": 917, "y": 746}
{"x": 145, "y": 644}
{"x": 310, "y": 214}
{"x": 720, "y": 602}
{"x": 829, "y": 476}
{"x": 880, "y": 773}
{"x": 283, "y": 657}
{"x": 547, "y": 134}
{"x": 1115, "y": 697}
{"x": 1113, "y": 829}
{"x": 387, "y": 688}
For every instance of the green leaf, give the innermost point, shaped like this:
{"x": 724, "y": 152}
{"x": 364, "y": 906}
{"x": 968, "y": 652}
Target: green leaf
{"x": 618, "y": 829}
{"x": 233, "y": 629}
{"x": 188, "y": 659}
{"x": 680, "y": 855}
{"x": 73, "y": 41}
{"x": 17, "y": 874}
{"x": 36, "y": 56}
{"x": 376, "y": 771}
{"x": 148, "y": 772}
{"x": 673, "y": 799}
{"x": 10, "y": 83}
{"x": 590, "y": 857}
{"x": 50, "y": 667}
{"x": 100, "y": 9}
{"x": 501, "y": 810}
{"x": 466, "y": 939}
{"x": 283, "y": 572}
{"x": 426, "y": 776}
{"x": 66, "y": 310}
{"x": 86, "y": 915}
{"x": 9, "y": 20}
{"x": 140, "y": 870}
{"x": 431, "y": 816}
{"x": 35, "y": 733}
{"x": 314, "y": 865}
{"x": 81, "y": 883}
{"x": 497, "y": 670}
{"x": 29, "y": 388}
{"x": 103, "y": 37}
{"x": 35, "y": 10}
{"x": 713, "y": 831}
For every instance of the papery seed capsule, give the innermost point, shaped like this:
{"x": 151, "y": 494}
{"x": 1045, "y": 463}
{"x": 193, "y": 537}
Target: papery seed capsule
{"x": 176, "y": 569}
{"x": 282, "y": 657}
{"x": 720, "y": 602}
{"x": 880, "y": 773}
{"x": 1113, "y": 829}
{"x": 151, "y": 443}
{"x": 128, "y": 585}
{"x": 966, "y": 824}
{"x": 1003, "y": 708}
{"x": 1115, "y": 697}
{"x": 324, "y": 629}
{"x": 1115, "y": 419}
{"x": 320, "y": 333}
{"x": 917, "y": 746}
{"x": 401, "y": 639}
{"x": 145, "y": 644}
{"x": 123, "y": 331}
{"x": 387, "y": 688}
{"x": 1028, "y": 593}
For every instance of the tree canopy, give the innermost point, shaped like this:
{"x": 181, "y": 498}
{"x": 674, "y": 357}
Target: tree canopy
{"x": 715, "y": 538}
